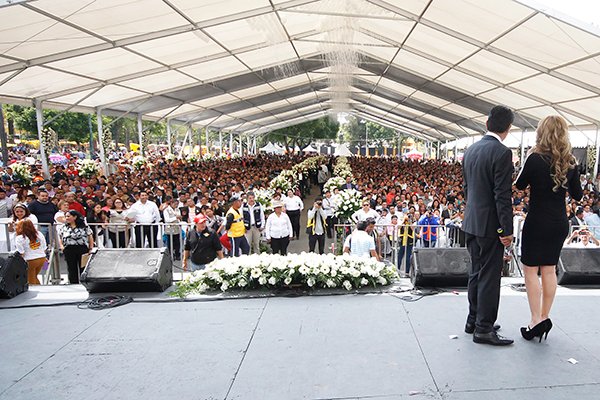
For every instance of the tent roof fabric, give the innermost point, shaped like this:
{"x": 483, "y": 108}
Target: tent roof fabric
{"x": 427, "y": 68}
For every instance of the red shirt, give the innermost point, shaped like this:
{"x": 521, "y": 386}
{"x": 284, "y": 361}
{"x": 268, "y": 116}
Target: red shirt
{"x": 77, "y": 207}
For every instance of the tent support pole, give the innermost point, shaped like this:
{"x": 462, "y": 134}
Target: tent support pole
{"x": 40, "y": 126}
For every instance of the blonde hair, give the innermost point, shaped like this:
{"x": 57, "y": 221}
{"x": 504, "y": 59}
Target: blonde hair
{"x": 553, "y": 140}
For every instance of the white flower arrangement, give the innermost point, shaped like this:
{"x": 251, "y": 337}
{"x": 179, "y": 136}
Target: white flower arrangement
{"x": 349, "y": 201}
{"x": 264, "y": 197}
{"x": 22, "y": 172}
{"x": 342, "y": 168}
{"x": 170, "y": 157}
{"x": 192, "y": 158}
{"x": 208, "y": 157}
{"x": 138, "y": 162}
{"x": 280, "y": 182}
{"x": 88, "y": 168}
{"x": 334, "y": 182}
{"x": 272, "y": 271}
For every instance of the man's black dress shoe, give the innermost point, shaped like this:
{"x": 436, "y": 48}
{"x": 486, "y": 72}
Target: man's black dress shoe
{"x": 470, "y": 328}
{"x": 491, "y": 338}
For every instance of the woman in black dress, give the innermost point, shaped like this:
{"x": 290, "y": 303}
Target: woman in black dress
{"x": 549, "y": 171}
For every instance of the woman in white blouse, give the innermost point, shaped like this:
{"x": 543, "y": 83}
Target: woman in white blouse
{"x": 293, "y": 207}
{"x": 278, "y": 229}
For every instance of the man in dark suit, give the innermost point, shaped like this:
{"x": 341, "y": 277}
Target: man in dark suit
{"x": 348, "y": 184}
{"x": 488, "y": 223}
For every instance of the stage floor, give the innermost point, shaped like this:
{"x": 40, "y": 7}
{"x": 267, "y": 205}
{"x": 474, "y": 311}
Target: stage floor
{"x": 352, "y": 346}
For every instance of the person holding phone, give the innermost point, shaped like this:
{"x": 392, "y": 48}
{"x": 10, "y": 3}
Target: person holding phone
{"x": 316, "y": 226}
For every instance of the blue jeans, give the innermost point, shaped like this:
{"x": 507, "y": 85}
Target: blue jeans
{"x": 195, "y": 267}
{"x": 402, "y": 252}
{"x": 239, "y": 245}
{"x": 45, "y": 230}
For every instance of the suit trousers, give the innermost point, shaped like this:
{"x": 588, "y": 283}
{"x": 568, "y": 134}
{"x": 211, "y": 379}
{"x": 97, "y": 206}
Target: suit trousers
{"x": 484, "y": 281}
{"x": 253, "y": 238}
{"x": 280, "y": 245}
{"x": 313, "y": 240}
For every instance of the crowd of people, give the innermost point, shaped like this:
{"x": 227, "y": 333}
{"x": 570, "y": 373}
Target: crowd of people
{"x": 405, "y": 204}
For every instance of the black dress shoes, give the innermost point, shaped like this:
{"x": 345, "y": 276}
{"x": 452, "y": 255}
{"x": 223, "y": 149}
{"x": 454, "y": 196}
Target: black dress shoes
{"x": 470, "y": 328}
{"x": 491, "y": 338}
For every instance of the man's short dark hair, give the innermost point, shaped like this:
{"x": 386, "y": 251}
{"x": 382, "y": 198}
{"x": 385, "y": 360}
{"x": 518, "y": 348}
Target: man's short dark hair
{"x": 362, "y": 225}
{"x": 500, "y": 119}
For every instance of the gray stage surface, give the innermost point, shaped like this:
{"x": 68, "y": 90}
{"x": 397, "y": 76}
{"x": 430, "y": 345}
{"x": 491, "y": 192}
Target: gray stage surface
{"x": 355, "y": 346}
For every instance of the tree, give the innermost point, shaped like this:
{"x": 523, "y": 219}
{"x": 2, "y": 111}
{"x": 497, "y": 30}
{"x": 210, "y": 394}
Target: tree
{"x": 303, "y": 134}
{"x": 69, "y": 125}
{"x": 355, "y": 130}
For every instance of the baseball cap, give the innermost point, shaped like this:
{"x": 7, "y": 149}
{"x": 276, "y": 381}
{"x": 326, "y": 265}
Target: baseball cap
{"x": 200, "y": 218}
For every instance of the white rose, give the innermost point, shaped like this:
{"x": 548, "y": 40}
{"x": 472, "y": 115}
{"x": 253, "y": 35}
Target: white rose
{"x": 272, "y": 280}
{"x": 364, "y": 281}
{"x": 311, "y": 282}
{"x": 224, "y": 286}
{"x": 262, "y": 280}
{"x": 347, "y": 285}
{"x": 382, "y": 280}
{"x": 287, "y": 280}
{"x": 242, "y": 283}
{"x": 330, "y": 283}
{"x": 255, "y": 273}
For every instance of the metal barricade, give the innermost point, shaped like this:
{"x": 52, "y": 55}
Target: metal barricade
{"x": 394, "y": 240}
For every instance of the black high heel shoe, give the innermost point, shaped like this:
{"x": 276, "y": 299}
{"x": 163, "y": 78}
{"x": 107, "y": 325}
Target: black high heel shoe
{"x": 538, "y": 330}
{"x": 548, "y": 326}
{"x": 541, "y": 330}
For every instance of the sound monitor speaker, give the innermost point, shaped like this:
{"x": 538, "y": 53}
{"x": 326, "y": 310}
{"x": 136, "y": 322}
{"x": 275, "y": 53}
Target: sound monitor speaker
{"x": 128, "y": 270}
{"x": 439, "y": 267}
{"x": 13, "y": 275}
{"x": 578, "y": 266}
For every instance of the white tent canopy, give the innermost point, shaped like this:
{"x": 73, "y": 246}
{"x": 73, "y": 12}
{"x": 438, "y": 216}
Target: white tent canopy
{"x": 513, "y": 140}
{"x": 309, "y": 149}
{"x": 427, "y": 68}
{"x": 269, "y": 148}
{"x": 342, "y": 150}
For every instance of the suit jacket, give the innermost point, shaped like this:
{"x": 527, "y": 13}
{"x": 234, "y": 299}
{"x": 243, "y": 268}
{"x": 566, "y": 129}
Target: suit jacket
{"x": 487, "y": 174}
{"x": 348, "y": 186}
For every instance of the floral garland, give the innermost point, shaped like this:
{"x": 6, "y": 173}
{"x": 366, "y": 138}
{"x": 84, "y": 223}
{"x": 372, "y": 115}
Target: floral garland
{"x": 334, "y": 182}
{"x": 342, "y": 168}
{"x": 591, "y": 158}
{"x": 88, "y": 168}
{"x": 349, "y": 202}
{"x": 139, "y": 162}
{"x": 106, "y": 140}
{"x": 49, "y": 139}
{"x": 22, "y": 172}
{"x": 192, "y": 158}
{"x": 264, "y": 197}
{"x": 291, "y": 175}
{"x": 272, "y": 271}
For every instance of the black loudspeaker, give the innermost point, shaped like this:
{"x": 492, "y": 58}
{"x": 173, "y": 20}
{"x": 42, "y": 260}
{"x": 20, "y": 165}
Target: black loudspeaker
{"x": 579, "y": 267}
{"x": 13, "y": 275}
{"x": 128, "y": 270}
{"x": 439, "y": 267}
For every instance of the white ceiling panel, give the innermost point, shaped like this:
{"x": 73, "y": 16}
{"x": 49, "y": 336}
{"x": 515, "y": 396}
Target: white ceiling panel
{"x": 496, "y": 67}
{"x": 117, "y": 19}
{"x": 211, "y": 9}
{"x": 164, "y": 81}
{"x": 39, "y": 81}
{"x": 105, "y": 65}
{"x": 418, "y": 65}
{"x": 179, "y": 48}
{"x": 551, "y": 89}
{"x": 443, "y": 46}
{"x": 549, "y": 42}
{"x": 482, "y": 20}
{"x": 464, "y": 82}
{"x": 511, "y": 99}
{"x": 211, "y": 70}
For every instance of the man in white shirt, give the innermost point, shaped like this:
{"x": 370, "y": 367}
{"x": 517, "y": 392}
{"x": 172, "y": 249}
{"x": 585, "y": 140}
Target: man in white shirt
{"x": 329, "y": 209}
{"x": 146, "y": 215}
{"x": 365, "y": 212}
{"x": 360, "y": 243}
{"x": 586, "y": 239}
